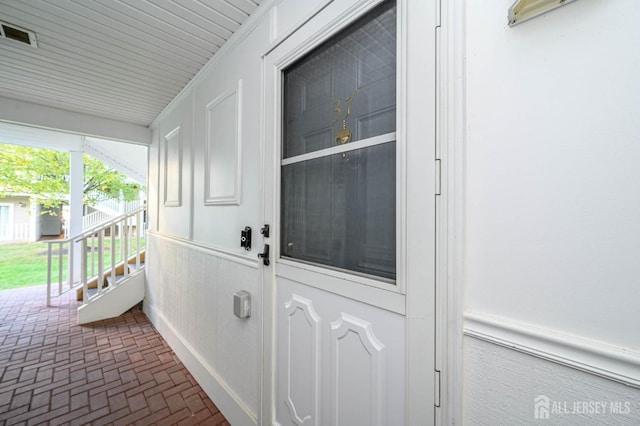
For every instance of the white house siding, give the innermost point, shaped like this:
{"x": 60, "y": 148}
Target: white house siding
{"x": 552, "y": 206}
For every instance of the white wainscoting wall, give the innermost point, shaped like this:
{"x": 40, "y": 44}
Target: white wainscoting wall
{"x": 189, "y": 299}
{"x": 501, "y": 386}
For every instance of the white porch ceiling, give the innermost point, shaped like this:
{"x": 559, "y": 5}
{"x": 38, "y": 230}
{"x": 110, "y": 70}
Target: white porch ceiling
{"x": 123, "y": 60}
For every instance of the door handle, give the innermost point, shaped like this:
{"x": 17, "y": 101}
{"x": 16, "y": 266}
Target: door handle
{"x": 264, "y": 255}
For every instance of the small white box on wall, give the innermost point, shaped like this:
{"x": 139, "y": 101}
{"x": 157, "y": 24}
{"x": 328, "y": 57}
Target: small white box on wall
{"x": 242, "y": 304}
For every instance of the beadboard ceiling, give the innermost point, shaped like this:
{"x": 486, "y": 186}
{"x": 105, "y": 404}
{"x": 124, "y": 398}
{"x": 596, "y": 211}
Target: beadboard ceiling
{"x": 118, "y": 59}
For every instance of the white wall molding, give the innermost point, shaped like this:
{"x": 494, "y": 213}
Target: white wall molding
{"x": 225, "y": 399}
{"x": 44, "y": 117}
{"x": 210, "y": 250}
{"x": 172, "y": 162}
{"x": 598, "y": 358}
{"x": 223, "y": 148}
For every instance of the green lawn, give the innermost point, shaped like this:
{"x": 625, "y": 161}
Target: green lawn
{"x": 23, "y": 265}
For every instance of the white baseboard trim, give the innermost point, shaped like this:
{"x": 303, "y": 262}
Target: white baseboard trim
{"x": 233, "y": 409}
{"x": 604, "y": 360}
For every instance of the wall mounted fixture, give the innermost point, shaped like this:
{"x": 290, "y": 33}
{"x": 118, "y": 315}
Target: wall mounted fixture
{"x": 242, "y": 304}
{"x": 523, "y": 10}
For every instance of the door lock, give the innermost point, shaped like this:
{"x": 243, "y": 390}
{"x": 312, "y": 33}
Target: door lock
{"x": 264, "y": 255}
{"x": 245, "y": 238}
{"x": 265, "y": 231}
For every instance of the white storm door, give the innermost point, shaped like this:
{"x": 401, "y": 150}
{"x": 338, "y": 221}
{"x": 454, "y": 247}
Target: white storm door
{"x": 337, "y": 323}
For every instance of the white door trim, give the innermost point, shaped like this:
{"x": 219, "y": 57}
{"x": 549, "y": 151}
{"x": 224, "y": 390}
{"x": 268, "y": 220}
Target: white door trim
{"x": 450, "y": 230}
{"x": 418, "y": 126}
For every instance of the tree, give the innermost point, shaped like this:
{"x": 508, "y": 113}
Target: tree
{"x": 44, "y": 175}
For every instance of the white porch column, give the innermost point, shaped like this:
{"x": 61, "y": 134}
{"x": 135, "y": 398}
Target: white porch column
{"x": 76, "y": 194}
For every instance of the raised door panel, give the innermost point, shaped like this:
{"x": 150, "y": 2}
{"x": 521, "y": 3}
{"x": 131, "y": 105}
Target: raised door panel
{"x": 336, "y": 353}
{"x": 357, "y": 374}
{"x": 301, "y": 368}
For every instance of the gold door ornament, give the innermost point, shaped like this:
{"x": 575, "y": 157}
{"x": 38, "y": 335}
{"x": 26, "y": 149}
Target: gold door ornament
{"x": 344, "y": 135}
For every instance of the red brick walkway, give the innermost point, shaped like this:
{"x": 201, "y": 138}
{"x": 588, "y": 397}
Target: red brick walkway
{"x": 117, "y": 371}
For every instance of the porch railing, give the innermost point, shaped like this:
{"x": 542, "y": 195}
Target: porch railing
{"x": 17, "y": 232}
{"x": 92, "y": 219}
{"x": 75, "y": 262}
{"x": 109, "y": 208}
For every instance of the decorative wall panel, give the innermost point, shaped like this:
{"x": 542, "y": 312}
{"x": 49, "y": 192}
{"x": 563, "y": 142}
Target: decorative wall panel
{"x": 173, "y": 167}
{"x": 223, "y": 148}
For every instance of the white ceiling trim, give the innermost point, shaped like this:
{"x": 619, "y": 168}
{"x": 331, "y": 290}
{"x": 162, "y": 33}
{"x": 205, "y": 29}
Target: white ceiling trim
{"x": 44, "y": 117}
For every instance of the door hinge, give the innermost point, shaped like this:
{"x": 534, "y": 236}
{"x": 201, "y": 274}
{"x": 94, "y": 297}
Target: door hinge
{"x": 438, "y": 177}
{"x": 437, "y": 389}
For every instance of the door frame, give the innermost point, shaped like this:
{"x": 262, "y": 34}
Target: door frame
{"x": 450, "y": 225}
{"x": 416, "y": 186}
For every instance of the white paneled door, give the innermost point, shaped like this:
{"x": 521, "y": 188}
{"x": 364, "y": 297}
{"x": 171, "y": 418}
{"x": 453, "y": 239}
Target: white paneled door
{"x": 348, "y": 257}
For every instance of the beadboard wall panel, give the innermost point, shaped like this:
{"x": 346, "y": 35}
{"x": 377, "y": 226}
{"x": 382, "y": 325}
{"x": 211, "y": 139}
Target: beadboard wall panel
{"x": 191, "y": 289}
{"x": 501, "y": 386}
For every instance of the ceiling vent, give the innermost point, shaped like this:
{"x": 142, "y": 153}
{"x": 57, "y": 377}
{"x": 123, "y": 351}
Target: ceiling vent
{"x": 11, "y": 32}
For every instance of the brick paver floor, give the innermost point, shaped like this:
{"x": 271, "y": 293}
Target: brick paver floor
{"x": 118, "y": 371}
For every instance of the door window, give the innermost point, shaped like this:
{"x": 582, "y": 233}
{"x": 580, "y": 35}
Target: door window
{"x": 338, "y": 170}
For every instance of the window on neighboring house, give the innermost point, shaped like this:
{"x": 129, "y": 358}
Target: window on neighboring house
{"x": 338, "y": 205}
